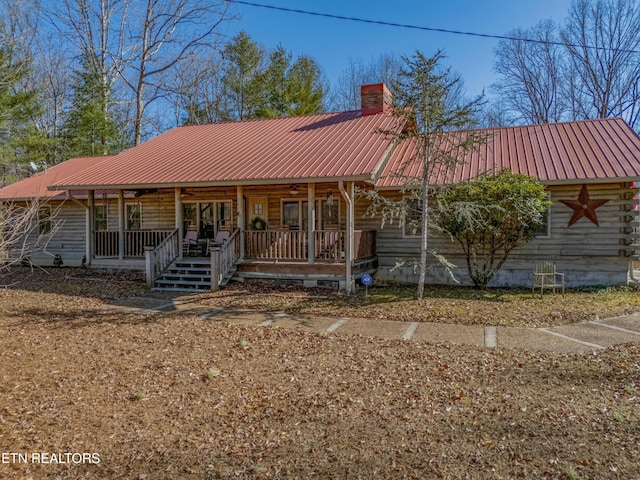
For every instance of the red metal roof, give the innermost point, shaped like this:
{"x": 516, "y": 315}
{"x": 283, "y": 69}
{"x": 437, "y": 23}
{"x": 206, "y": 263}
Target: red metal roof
{"x": 37, "y": 185}
{"x": 315, "y": 147}
{"x": 571, "y": 152}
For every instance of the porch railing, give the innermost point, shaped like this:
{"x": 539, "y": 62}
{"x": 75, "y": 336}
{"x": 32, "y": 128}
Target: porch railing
{"x": 106, "y": 242}
{"x": 159, "y": 258}
{"x": 276, "y": 244}
{"x": 329, "y": 245}
{"x": 224, "y": 258}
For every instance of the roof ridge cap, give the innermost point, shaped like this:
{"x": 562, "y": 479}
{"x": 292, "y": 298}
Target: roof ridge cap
{"x": 253, "y": 120}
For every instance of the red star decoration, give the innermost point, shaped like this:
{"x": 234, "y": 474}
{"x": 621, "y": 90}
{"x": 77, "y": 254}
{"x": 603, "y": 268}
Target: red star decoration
{"x": 583, "y": 207}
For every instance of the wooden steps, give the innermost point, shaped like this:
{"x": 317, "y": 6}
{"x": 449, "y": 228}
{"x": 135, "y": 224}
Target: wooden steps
{"x": 187, "y": 275}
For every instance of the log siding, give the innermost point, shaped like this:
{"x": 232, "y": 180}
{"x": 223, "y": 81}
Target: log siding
{"x": 588, "y": 254}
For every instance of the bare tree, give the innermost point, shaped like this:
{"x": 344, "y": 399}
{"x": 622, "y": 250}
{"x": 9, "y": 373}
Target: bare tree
{"x": 602, "y": 38}
{"x": 96, "y": 30}
{"x": 26, "y": 229}
{"x": 138, "y": 41}
{"x": 51, "y": 80}
{"x": 590, "y": 70}
{"x": 196, "y": 91}
{"x": 383, "y": 69}
{"x": 167, "y": 32}
{"x": 531, "y": 79}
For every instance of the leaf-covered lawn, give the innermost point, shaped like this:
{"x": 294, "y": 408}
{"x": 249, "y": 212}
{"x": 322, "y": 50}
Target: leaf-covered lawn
{"x": 454, "y": 305}
{"x": 465, "y": 306}
{"x": 169, "y": 397}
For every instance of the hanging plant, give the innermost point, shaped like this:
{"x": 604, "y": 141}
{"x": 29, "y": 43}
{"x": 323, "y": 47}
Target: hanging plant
{"x": 257, "y": 224}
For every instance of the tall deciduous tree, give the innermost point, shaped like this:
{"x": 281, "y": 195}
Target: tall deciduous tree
{"x": 489, "y": 217}
{"x": 602, "y": 38}
{"x": 591, "y": 69}
{"x": 422, "y": 99}
{"x": 138, "y": 42}
{"x": 196, "y": 91}
{"x": 382, "y": 69}
{"x": 532, "y": 75}
{"x": 167, "y": 32}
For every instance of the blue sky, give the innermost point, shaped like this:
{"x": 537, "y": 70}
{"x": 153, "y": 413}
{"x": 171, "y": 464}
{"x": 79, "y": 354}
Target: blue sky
{"x": 332, "y": 42}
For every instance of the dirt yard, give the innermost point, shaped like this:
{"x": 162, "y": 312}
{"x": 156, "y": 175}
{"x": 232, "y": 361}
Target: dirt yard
{"x": 86, "y": 392}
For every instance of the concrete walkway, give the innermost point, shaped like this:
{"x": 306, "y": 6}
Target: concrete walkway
{"x": 574, "y": 338}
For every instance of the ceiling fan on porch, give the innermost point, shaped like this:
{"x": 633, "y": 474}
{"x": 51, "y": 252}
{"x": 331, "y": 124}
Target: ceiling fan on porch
{"x": 144, "y": 191}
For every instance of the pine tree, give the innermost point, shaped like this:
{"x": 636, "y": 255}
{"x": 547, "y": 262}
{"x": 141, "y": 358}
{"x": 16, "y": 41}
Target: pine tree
{"x": 425, "y": 98}
{"x": 90, "y": 128}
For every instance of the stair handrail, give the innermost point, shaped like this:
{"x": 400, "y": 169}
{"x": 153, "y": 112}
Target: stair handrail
{"x": 158, "y": 259}
{"x": 224, "y": 258}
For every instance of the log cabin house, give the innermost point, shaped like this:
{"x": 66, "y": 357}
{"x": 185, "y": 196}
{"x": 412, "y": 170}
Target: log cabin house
{"x": 277, "y": 199}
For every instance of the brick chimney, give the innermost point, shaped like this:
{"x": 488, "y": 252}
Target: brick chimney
{"x": 375, "y": 98}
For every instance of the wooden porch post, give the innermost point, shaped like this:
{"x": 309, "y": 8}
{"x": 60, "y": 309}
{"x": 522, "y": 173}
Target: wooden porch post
{"x": 240, "y": 210}
{"x": 89, "y": 246}
{"x": 177, "y": 192}
{"x": 348, "y": 194}
{"x": 121, "y": 224}
{"x": 350, "y": 230}
{"x": 311, "y": 220}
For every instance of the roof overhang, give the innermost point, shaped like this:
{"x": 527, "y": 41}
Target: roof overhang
{"x": 551, "y": 183}
{"x": 225, "y": 183}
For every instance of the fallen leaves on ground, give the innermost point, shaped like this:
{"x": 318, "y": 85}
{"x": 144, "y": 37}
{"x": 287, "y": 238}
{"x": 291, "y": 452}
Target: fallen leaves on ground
{"x": 454, "y": 305}
{"x": 162, "y": 397}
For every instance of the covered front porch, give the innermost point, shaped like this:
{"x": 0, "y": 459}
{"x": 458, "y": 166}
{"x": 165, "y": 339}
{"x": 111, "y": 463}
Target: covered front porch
{"x": 274, "y": 232}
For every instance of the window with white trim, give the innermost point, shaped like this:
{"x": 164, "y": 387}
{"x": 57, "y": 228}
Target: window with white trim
{"x": 544, "y": 230}
{"x": 134, "y": 216}
{"x": 100, "y": 215}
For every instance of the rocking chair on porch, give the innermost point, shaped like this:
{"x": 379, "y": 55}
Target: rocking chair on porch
{"x": 190, "y": 242}
{"x": 221, "y": 237}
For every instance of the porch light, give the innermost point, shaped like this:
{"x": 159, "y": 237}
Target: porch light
{"x": 294, "y": 190}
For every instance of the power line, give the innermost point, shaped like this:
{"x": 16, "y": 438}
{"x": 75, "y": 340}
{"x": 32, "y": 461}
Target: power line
{"x": 428, "y": 29}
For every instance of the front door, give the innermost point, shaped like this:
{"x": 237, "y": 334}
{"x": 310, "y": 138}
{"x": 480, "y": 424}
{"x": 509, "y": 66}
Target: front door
{"x": 257, "y": 212}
